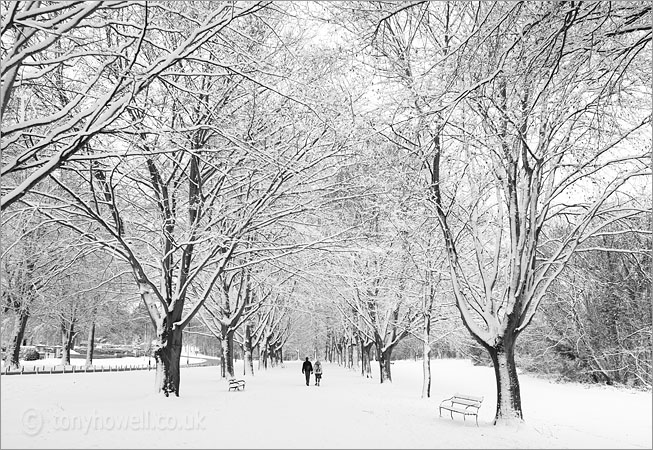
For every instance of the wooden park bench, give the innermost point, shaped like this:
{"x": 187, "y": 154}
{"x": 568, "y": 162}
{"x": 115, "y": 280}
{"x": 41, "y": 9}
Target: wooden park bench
{"x": 236, "y": 385}
{"x": 467, "y": 405}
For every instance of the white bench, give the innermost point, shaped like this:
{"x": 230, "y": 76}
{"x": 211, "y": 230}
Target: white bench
{"x": 464, "y": 404}
{"x": 236, "y": 385}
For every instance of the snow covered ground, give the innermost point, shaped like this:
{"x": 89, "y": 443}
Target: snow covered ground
{"x": 277, "y": 410}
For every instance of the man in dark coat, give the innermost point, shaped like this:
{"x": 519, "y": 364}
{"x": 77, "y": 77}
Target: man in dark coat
{"x": 307, "y": 369}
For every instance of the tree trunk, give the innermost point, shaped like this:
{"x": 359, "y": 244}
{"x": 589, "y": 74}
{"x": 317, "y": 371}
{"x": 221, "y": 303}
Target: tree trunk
{"x": 242, "y": 349}
{"x": 263, "y": 355}
{"x": 384, "y": 365}
{"x": 228, "y": 354}
{"x": 223, "y": 361}
{"x": 426, "y": 355}
{"x": 67, "y": 335}
{"x": 167, "y": 356}
{"x": 90, "y": 344}
{"x": 19, "y": 332}
{"x": 508, "y": 394}
{"x": 350, "y": 352}
{"x": 247, "y": 350}
{"x": 272, "y": 356}
{"x": 366, "y": 365}
{"x": 357, "y": 359}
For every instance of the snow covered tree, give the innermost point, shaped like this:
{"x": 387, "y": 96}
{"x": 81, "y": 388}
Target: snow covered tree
{"x": 599, "y": 327}
{"x": 70, "y": 70}
{"x": 538, "y": 145}
{"x": 35, "y": 256}
{"x": 22, "y": 279}
{"x": 378, "y": 291}
{"x": 237, "y": 298}
{"x": 523, "y": 116}
{"x": 197, "y": 163}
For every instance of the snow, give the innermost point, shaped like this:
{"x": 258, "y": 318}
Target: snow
{"x": 277, "y": 410}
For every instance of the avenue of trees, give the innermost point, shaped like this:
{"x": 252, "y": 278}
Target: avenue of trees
{"x": 351, "y": 181}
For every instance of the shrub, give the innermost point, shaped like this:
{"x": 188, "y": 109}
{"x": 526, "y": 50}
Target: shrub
{"x": 31, "y": 355}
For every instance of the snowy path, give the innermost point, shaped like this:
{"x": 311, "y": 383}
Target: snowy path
{"x": 277, "y": 410}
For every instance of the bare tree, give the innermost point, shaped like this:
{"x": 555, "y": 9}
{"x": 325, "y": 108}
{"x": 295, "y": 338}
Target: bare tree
{"x": 101, "y": 70}
{"x": 383, "y": 306}
{"x": 34, "y": 257}
{"x": 211, "y": 157}
{"x": 20, "y": 285}
{"x": 517, "y": 133}
{"x": 237, "y": 300}
{"x": 540, "y": 160}
{"x": 599, "y": 327}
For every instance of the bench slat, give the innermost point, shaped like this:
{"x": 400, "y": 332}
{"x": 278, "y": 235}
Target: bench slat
{"x": 468, "y": 397}
{"x": 462, "y": 401}
{"x": 469, "y": 412}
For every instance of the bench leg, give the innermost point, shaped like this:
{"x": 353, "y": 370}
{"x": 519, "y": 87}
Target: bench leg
{"x": 476, "y": 419}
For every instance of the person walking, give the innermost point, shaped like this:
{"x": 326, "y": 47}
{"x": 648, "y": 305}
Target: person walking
{"x": 307, "y": 369}
{"x": 318, "y": 372}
